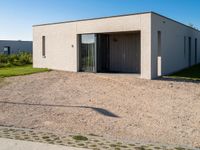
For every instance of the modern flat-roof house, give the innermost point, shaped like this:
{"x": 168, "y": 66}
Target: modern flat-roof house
{"x": 147, "y": 44}
{"x": 13, "y": 47}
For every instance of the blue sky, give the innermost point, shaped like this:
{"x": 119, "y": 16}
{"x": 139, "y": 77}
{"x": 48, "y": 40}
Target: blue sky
{"x": 18, "y": 16}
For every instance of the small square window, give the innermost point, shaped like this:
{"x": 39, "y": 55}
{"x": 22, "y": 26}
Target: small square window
{"x": 6, "y": 50}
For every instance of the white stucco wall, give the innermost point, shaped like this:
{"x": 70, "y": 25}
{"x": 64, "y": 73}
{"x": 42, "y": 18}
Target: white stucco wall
{"x": 62, "y": 43}
{"x": 172, "y": 45}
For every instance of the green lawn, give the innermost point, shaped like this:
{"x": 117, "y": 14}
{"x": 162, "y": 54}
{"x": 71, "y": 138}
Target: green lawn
{"x": 192, "y": 73}
{"x": 19, "y": 70}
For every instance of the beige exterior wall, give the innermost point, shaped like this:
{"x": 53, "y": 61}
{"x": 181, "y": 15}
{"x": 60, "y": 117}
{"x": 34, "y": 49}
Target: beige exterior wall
{"x": 62, "y": 43}
{"x": 173, "y": 58}
{"x": 60, "y": 54}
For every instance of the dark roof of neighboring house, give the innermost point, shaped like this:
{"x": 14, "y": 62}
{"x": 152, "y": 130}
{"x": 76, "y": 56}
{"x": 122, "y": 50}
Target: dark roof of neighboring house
{"x": 14, "y": 41}
{"x": 115, "y": 17}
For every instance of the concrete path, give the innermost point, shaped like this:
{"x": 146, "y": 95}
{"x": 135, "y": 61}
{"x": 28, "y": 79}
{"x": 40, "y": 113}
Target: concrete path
{"x": 7, "y": 144}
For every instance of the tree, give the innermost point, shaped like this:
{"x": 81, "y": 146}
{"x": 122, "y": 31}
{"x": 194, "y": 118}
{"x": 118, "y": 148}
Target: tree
{"x": 191, "y": 25}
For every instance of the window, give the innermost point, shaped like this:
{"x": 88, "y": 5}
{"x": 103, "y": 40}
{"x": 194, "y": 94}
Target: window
{"x": 196, "y": 51}
{"x": 159, "y": 58}
{"x": 184, "y": 47}
{"x": 190, "y": 51}
{"x": 6, "y": 50}
{"x": 43, "y": 46}
{"x": 159, "y": 43}
{"x": 88, "y": 53}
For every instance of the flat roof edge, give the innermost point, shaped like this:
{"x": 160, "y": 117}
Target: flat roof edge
{"x": 93, "y": 19}
{"x": 148, "y": 12}
{"x": 175, "y": 21}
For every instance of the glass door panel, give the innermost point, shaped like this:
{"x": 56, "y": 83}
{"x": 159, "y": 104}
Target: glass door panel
{"x": 88, "y": 53}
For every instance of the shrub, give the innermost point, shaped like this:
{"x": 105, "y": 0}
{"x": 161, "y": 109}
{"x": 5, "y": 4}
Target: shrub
{"x": 25, "y": 58}
{"x": 15, "y": 59}
{"x": 5, "y": 65}
{"x": 3, "y": 58}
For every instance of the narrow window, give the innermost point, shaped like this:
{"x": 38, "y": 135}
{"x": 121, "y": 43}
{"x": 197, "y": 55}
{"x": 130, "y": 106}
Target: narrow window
{"x": 196, "y": 51}
{"x": 184, "y": 47}
{"x": 159, "y": 43}
{"x": 190, "y": 51}
{"x": 43, "y": 46}
{"x": 159, "y": 58}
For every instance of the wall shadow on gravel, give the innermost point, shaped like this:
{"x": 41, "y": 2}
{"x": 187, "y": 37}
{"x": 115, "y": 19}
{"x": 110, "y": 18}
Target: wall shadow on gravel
{"x": 98, "y": 110}
{"x": 177, "y": 80}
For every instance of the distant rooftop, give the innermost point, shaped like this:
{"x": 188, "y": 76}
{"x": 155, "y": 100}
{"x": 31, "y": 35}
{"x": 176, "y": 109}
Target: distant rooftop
{"x": 13, "y": 41}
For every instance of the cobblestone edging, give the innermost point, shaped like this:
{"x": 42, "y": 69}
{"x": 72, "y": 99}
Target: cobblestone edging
{"x": 90, "y": 141}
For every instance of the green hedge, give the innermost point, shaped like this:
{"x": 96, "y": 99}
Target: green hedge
{"x": 15, "y": 59}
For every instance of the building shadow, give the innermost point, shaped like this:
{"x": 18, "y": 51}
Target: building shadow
{"x": 96, "y": 109}
{"x": 165, "y": 78}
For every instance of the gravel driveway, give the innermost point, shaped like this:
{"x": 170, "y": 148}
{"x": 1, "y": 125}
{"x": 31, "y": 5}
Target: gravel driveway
{"x": 116, "y": 106}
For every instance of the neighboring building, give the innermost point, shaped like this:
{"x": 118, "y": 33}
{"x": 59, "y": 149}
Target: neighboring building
{"x": 148, "y": 44}
{"x": 14, "y": 47}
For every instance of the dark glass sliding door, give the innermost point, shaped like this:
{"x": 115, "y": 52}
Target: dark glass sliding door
{"x": 103, "y": 53}
{"x": 94, "y": 53}
{"x": 88, "y": 53}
